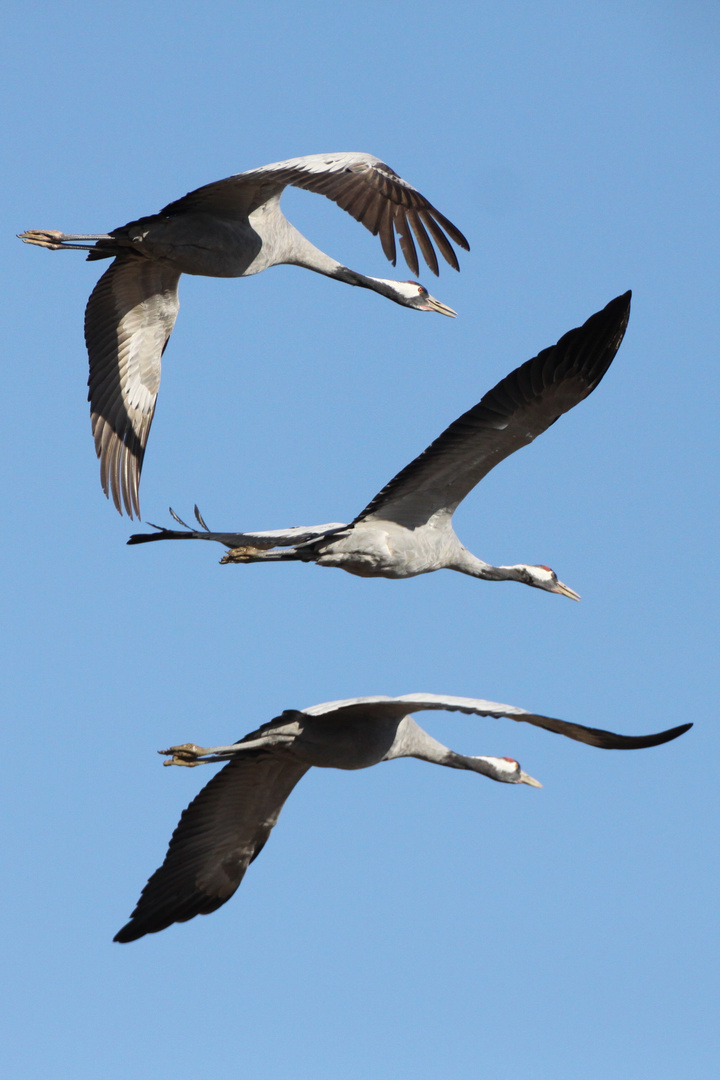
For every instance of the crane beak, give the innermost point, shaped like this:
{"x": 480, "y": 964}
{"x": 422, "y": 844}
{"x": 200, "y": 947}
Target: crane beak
{"x": 431, "y": 304}
{"x": 525, "y": 779}
{"x": 565, "y": 590}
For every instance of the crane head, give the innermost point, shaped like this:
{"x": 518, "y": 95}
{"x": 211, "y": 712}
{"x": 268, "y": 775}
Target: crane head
{"x": 506, "y": 770}
{"x": 413, "y": 294}
{"x": 542, "y": 577}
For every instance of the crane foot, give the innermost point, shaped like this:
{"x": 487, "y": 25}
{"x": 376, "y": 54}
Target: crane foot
{"x": 47, "y": 238}
{"x": 241, "y": 554}
{"x": 184, "y": 755}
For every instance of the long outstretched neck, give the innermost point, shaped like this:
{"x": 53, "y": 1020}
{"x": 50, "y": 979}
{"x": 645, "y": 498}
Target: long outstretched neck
{"x": 413, "y": 741}
{"x": 307, "y": 255}
{"x": 541, "y": 577}
{"x": 467, "y": 563}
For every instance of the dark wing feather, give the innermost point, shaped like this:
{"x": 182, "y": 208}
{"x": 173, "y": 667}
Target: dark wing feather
{"x": 386, "y": 229}
{"x": 407, "y": 244}
{"x": 128, "y": 321}
{"x": 516, "y": 411}
{"x": 366, "y": 187}
{"x": 383, "y": 186}
{"x": 606, "y": 740}
{"x": 223, "y": 829}
{"x": 423, "y": 239}
{"x": 394, "y": 708}
{"x": 440, "y": 239}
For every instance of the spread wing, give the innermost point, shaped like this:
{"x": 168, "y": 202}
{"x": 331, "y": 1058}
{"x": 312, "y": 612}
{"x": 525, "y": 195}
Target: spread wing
{"x": 271, "y": 538}
{"x": 521, "y": 406}
{"x": 361, "y": 184}
{"x": 128, "y": 321}
{"x": 396, "y": 708}
{"x": 223, "y": 829}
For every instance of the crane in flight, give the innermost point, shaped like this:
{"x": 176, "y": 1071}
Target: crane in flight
{"x": 228, "y": 823}
{"x": 230, "y": 228}
{"x": 407, "y": 528}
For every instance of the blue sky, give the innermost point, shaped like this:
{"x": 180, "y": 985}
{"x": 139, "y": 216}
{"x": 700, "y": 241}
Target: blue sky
{"x": 403, "y": 921}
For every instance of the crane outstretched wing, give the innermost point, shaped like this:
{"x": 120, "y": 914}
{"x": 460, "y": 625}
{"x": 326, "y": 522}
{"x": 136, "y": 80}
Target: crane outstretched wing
{"x": 271, "y": 538}
{"x": 397, "y": 707}
{"x": 128, "y": 321}
{"x": 366, "y": 187}
{"x": 223, "y": 829}
{"x": 512, "y": 414}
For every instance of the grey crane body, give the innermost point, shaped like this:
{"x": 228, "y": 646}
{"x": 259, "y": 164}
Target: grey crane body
{"x": 206, "y": 245}
{"x": 228, "y": 823}
{"x": 383, "y": 548}
{"x": 362, "y": 739}
{"x": 407, "y": 528}
{"x": 230, "y": 228}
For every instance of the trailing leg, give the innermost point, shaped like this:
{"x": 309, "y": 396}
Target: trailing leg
{"x": 56, "y": 241}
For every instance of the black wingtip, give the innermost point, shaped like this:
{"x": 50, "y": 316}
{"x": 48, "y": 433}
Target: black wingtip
{"x": 127, "y": 934}
{"x": 161, "y": 534}
{"x": 642, "y": 742}
{"x": 617, "y": 308}
{"x": 138, "y": 927}
{"x": 143, "y": 538}
{"x": 673, "y": 733}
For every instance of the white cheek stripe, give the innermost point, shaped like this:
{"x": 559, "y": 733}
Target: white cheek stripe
{"x": 504, "y": 765}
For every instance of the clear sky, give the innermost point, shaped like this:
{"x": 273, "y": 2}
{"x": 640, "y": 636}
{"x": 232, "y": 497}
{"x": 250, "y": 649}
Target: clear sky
{"x": 405, "y": 922}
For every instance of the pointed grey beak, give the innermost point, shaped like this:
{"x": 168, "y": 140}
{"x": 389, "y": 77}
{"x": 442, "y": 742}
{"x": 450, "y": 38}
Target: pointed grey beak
{"x": 525, "y": 779}
{"x": 565, "y": 590}
{"x": 431, "y": 304}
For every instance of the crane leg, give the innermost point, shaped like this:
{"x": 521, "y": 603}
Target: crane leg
{"x": 189, "y": 754}
{"x": 254, "y": 554}
{"x": 55, "y": 241}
